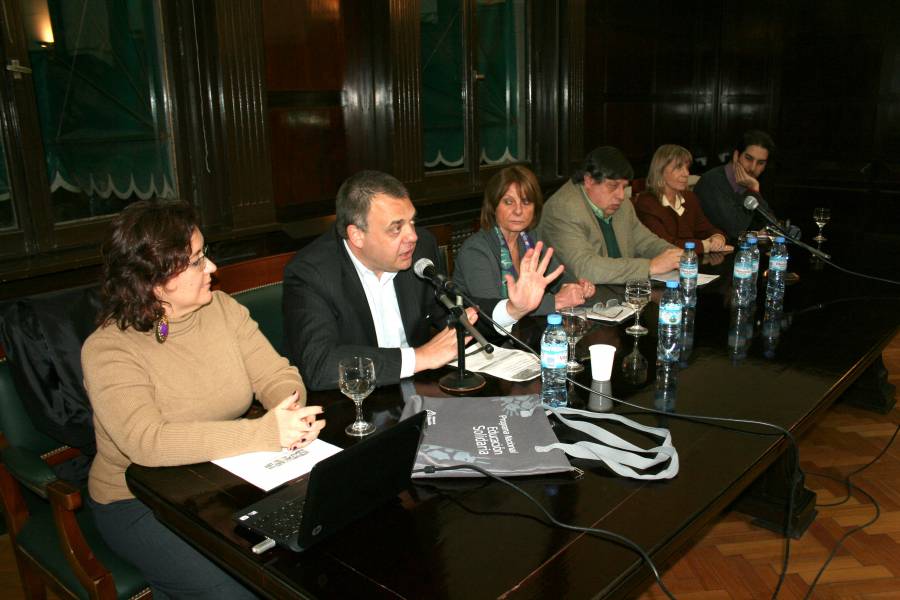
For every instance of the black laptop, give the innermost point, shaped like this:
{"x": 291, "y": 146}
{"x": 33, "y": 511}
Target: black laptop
{"x": 339, "y": 490}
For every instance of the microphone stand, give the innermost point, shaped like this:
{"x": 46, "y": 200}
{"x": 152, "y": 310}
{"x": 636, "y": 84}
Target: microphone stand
{"x": 814, "y": 251}
{"x": 462, "y": 381}
{"x": 773, "y": 222}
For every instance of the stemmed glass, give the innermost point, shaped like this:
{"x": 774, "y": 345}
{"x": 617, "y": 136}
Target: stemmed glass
{"x": 575, "y": 324}
{"x": 637, "y": 296}
{"x": 634, "y": 366}
{"x": 821, "y": 216}
{"x": 356, "y": 376}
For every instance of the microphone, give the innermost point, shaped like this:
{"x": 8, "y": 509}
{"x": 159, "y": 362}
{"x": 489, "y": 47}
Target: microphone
{"x": 752, "y": 203}
{"x": 425, "y": 269}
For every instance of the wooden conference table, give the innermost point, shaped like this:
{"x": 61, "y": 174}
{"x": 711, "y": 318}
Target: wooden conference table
{"x": 477, "y": 539}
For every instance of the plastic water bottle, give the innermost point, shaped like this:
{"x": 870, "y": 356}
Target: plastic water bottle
{"x": 687, "y": 334}
{"x": 754, "y": 259}
{"x": 777, "y": 269}
{"x": 666, "y": 387}
{"x": 554, "y": 353}
{"x": 668, "y": 344}
{"x": 743, "y": 276}
{"x": 740, "y": 331}
{"x": 687, "y": 274}
{"x": 771, "y": 329}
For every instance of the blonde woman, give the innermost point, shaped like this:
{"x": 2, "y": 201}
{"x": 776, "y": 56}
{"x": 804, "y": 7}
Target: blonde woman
{"x": 670, "y": 210}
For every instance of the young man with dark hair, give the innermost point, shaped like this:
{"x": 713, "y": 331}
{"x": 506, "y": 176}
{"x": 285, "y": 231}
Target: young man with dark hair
{"x": 722, "y": 190}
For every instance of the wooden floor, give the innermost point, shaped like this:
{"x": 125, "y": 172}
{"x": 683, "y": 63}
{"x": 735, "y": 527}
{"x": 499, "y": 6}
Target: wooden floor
{"x": 734, "y": 560}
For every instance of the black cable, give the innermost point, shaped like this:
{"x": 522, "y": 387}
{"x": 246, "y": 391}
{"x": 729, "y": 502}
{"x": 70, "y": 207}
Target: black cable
{"x": 703, "y": 419}
{"x": 850, "y": 532}
{"x": 602, "y": 533}
{"x": 846, "y": 478}
{"x": 849, "y": 272}
{"x": 855, "y": 299}
{"x": 850, "y": 488}
{"x": 829, "y": 263}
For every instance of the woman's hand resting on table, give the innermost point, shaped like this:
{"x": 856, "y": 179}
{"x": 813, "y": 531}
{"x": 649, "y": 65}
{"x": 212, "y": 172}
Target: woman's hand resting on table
{"x": 717, "y": 243}
{"x": 297, "y": 425}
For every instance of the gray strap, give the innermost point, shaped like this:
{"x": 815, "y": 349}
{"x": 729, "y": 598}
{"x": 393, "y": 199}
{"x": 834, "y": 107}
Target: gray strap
{"x": 618, "y": 454}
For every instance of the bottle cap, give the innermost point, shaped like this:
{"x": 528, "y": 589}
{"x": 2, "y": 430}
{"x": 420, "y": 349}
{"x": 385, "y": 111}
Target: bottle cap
{"x": 752, "y": 239}
{"x": 689, "y": 245}
{"x": 554, "y": 319}
{"x": 779, "y": 239}
{"x": 671, "y": 284}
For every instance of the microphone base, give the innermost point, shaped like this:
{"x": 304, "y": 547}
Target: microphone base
{"x": 465, "y": 383}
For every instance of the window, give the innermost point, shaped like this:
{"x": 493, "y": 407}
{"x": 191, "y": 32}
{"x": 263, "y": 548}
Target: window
{"x": 92, "y": 130}
{"x": 474, "y": 83}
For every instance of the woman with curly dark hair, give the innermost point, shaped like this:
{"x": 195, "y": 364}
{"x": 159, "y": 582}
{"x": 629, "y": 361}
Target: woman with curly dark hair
{"x": 169, "y": 372}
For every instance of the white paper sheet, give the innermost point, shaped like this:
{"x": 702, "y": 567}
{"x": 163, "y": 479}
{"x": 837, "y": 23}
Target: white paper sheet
{"x": 613, "y": 314}
{"x": 268, "y": 470}
{"x": 702, "y": 278}
{"x": 505, "y": 363}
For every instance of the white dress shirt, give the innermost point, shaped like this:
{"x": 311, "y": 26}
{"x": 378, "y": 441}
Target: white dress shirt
{"x": 676, "y": 205}
{"x": 389, "y": 331}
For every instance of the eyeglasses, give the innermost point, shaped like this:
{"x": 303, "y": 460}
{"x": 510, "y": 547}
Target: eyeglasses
{"x": 601, "y": 306}
{"x": 199, "y": 263}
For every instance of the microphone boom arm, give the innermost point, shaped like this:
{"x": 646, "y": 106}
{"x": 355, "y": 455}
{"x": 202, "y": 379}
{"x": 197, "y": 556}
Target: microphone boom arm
{"x": 460, "y": 317}
{"x": 751, "y": 203}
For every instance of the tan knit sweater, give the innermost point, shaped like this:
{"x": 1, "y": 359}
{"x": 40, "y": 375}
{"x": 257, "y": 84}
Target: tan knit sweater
{"x": 178, "y": 403}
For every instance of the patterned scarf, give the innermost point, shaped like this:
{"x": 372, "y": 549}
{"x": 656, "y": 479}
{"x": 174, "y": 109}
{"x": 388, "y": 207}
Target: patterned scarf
{"x": 506, "y": 264}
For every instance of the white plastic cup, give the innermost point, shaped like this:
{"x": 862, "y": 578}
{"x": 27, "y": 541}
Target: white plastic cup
{"x": 602, "y": 361}
{"x": 599, "y": 400}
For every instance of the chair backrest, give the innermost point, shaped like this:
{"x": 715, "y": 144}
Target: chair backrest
{"x": 638, "y": 186}
{"x": 15, "y": 423}
{"x": 256, "y": 284}
{"x": 42, "y": 336}
{"x": 692, "y": 181}
{"x": 264, "y": 304}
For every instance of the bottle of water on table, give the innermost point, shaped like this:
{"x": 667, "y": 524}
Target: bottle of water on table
{"x": 743, "y": 276}
{"x": 666, "y": 387}
{"x": 668, "y": 340}
{"x": 554, "y": 354}
{"x": 777, "y": 269}
{"x": 687, "y": 274}
{"x": 687, "y": 333}
{"x": 754, "y": 260}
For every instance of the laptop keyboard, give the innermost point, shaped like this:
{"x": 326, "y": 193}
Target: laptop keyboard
{"x": 284, "y": 521}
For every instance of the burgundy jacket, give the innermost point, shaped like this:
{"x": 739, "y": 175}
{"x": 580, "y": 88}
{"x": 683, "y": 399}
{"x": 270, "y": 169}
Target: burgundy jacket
{"x": 691, "y": 226}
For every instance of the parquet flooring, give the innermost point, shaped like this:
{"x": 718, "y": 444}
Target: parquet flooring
{"x": 734, "y": 560}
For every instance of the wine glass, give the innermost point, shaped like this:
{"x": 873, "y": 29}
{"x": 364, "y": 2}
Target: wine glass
{"x": 575, "y": 324}
{"x": 356, "y": 376}
{"x": 634, "y": 366}
{"x": 637, "y": 296}
{"x": 821, "y": 216}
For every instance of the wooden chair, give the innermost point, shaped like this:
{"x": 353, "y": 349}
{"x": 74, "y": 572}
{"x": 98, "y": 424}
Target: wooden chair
{"x": 638, "y": 186}
{"x": 256, "y": 284}
{"x": 55, "y": 541}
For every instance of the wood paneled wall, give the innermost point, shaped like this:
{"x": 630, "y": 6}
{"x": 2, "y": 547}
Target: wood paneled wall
{"x": 823, "y": 78}
{"x": 305, "y": 53}
{"x": 276, "y": 102}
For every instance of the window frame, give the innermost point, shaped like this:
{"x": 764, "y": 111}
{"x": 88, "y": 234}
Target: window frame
{"x": 38, "y": 238}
